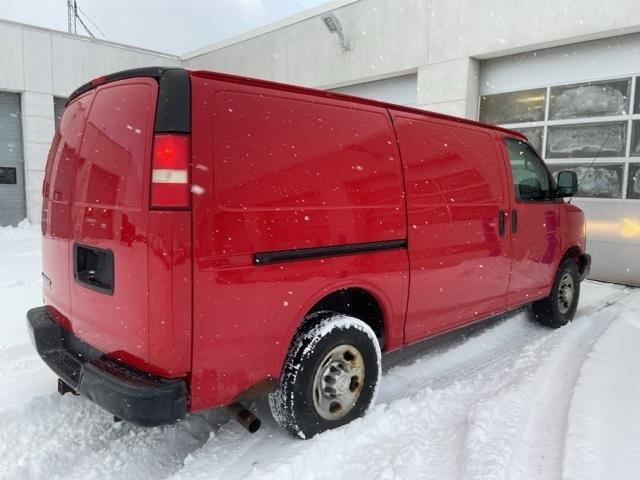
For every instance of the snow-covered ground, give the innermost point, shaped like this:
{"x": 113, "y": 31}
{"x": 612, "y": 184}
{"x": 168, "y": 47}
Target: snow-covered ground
{"x": 508, "y": 400}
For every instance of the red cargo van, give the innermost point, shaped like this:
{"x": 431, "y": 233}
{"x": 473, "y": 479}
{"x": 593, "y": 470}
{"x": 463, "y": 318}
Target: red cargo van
{"x": 209, "y": 239}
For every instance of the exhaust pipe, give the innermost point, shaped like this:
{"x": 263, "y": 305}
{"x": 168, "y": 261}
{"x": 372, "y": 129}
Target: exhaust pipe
{"x": 244, "y": 417}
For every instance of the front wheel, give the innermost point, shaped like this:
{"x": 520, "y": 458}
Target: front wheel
{"x": 560, "y": 306}
{"x": 330, "y": 376}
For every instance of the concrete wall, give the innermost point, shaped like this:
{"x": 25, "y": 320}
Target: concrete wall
{"x": 441, "y": 40}
{"x": 41, "y": 63}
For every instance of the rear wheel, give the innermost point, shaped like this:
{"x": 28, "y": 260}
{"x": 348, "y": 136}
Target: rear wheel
{"x": 330, "y": 377}
{"x": 560, "y": 306}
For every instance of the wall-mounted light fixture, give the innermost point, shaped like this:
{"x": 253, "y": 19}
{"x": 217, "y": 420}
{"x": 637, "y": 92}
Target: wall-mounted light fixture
{"x": 333, "y": 25}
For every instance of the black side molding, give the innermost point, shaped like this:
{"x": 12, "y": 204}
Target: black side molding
{"x": 263, "y": 258}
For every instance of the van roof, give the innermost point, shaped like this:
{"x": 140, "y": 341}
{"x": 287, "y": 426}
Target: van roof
{"x": 157, "y": 72}
{"x": 367, "y": 101}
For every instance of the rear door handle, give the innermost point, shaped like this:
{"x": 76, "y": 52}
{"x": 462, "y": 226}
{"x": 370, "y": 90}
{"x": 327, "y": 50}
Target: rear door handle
{"x": 514, "y": 221}
{"x": 501, "y": 222}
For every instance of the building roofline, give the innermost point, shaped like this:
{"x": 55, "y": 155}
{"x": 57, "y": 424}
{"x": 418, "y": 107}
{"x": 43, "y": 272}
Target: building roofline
{"x": 270, "y": 27}
{"x": 61, "y": 33}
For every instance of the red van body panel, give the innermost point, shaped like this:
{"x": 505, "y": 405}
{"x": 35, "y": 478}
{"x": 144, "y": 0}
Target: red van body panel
{"x": 335, "y": 178}
{"x": 97, "y": 196}
{"x": 455, "y": 191}
{"x": 56, "y": 209}
{"x": 206, "y": 295}
{"x": 539, "y": 242}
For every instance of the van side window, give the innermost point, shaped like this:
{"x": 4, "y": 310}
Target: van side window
{"x": 530, "y": 176}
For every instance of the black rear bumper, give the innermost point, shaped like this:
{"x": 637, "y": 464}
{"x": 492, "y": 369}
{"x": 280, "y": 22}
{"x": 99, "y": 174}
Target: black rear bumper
{"x": 127, "y": 393}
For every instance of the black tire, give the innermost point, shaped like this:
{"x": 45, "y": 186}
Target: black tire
{"x": 326, "y": 339}
{"x": 557, "y": 309}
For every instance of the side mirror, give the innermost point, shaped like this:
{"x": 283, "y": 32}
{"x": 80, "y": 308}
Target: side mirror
{"x": 567, "y": 184}
{"x": 530, "y": 189}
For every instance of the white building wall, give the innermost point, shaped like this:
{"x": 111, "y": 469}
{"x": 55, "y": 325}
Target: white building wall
{"x": 40, "y": 63}
{"x": 440, "y": 39}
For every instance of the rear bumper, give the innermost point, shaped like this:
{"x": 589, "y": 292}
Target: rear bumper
{"x": 584, "y": 265}
{"x": 127, "y": 393}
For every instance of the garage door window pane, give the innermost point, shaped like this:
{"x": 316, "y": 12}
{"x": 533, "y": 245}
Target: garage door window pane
{"x": 534, "y": 135}
{"x": 593, "y": 99}
{"x": 586, "y": 140}
{"x": 599, "y": 180}
{"x": 637, "y": 96}
{"x": 633, "y": 185}
{"x": 514, "y": 107}
{"x": 635, "y": 139}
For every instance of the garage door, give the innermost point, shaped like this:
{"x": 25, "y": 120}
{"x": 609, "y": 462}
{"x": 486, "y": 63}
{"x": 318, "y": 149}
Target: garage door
{"x": 12, "y": 193}
{"x": 579, "y": 105}
{"x": 402, "y": 90}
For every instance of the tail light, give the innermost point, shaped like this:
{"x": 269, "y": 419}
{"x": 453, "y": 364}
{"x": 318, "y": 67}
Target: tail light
{"x": 170, "y": 171}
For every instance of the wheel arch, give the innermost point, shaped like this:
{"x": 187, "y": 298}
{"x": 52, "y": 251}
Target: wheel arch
{"x": 360, "y": 300}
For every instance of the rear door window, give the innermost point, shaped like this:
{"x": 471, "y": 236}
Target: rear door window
{"x": 116, "y": 145}
{"x": 62, "y": 163}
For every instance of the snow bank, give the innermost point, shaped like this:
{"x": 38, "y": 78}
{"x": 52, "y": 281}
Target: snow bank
{"x": 604, "y": 421}
{"x": 20, "y": 284}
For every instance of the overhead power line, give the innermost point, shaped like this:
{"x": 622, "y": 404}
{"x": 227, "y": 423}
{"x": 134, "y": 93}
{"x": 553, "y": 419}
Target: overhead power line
{"x": 88, "y": 18}
{"x": 74, "y": 16}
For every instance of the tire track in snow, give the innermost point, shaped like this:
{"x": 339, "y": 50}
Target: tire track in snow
{"x": 513, "y": 335}
{"x": 540, "y": 451}
{"x": 516, "y": 432}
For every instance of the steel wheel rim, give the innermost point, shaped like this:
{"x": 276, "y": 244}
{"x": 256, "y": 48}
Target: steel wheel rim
{"x": 565, "y": 293}
{"x": 338, "y": 382}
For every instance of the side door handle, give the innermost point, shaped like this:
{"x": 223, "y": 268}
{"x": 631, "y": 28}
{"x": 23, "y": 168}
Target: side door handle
{"x": 514, "y": 221}
{"x": 501, "y": 223}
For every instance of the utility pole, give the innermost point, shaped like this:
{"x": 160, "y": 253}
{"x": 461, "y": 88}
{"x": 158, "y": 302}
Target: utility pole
{"x": 69, "y": 15}
{"x": 72, "y": 15}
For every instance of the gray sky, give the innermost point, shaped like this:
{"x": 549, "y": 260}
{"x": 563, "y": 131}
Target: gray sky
{"x": 172, "y": 26}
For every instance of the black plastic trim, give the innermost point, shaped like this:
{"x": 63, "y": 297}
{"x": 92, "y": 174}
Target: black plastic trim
{"x": 93, "y": 284}
{"x": 263, "y": 258}
{"x": 126, "y": 392}
{"x": 584, "y": 265}
{"x": 173, "y": 112}
{"x": 501, "y": 215}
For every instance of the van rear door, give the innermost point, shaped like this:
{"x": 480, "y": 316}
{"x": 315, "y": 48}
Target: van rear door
{"x": 56, "y": 208}
{"x": 109, "y": 220}
{"x": 117, "y": 219}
